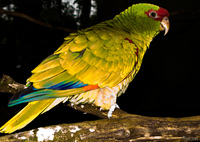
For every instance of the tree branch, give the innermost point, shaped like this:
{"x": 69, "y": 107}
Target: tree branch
{"x": 194, "y": 12}
{"x": 8, "y": 85}
{"x": 31, "y": 19}
{"x": 36, "y": 21}
{"x": 122, "y": 127}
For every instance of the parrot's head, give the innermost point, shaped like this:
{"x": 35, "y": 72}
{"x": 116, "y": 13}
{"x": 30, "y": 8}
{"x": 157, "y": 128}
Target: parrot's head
{"x": 145, "y": 19}
{"x": 162, "y": 16}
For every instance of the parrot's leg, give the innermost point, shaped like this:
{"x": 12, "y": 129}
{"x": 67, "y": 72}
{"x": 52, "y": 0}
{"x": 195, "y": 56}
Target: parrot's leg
{"x": 112, "y": 109}
{"x": 105, "y": 98}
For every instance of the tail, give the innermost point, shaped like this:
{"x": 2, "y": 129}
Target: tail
{"x": 28, "y": 114}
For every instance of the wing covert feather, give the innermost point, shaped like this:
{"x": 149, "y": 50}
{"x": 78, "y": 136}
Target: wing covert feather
{"x": 92, "y": 56}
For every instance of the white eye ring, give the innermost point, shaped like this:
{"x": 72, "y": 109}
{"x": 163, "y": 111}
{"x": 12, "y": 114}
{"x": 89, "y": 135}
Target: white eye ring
{"x": 153, "y": 14}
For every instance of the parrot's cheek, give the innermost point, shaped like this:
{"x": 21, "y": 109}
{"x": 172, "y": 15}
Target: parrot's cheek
{"x": 164, "y": 25}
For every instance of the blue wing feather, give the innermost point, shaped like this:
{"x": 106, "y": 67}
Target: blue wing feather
{"x": 32, "y": 94}
{"x": 61, "y": 84}
{"x": 69, "y": 85}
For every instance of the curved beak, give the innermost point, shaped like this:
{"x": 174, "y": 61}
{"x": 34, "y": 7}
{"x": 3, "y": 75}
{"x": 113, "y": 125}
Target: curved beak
{"x": 164, "y": 25}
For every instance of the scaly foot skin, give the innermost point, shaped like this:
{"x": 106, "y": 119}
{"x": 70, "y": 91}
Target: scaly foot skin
{"x": 112, "y": 109}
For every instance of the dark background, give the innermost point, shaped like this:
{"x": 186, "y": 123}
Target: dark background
{"x": 166, "y": 85}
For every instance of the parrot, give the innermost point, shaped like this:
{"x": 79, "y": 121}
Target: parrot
{"x": 93, "y": 65}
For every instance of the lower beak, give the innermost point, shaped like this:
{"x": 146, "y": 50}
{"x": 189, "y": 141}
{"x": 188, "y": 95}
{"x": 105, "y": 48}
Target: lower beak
{"x": 164, "y": 25}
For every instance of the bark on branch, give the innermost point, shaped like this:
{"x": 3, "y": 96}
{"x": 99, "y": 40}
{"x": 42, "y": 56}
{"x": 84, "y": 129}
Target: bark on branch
{"x": 122, "y": 127}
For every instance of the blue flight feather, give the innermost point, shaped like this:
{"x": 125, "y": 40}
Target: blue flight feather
{"x": 65, "y": 86}
{"x": 32, "y": 94}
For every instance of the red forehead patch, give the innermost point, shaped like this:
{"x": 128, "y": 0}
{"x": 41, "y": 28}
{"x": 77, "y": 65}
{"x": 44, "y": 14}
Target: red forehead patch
{"x": 163, "y": 12}
{"x": 158, "y": 15}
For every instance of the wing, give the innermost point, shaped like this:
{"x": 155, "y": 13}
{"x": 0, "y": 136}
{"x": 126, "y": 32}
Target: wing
{"x": 98, "y": 55}
{"x": 89, "y": 59}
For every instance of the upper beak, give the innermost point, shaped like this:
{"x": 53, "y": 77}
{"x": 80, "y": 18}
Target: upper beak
{"x": 164, "y": 25}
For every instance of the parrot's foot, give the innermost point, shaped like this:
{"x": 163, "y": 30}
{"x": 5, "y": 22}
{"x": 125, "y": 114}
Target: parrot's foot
{"x": 111, "y": 110}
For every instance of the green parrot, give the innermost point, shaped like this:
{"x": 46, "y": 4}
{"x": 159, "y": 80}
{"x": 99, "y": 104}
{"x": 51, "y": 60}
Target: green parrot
{"x": 94, "y": 65}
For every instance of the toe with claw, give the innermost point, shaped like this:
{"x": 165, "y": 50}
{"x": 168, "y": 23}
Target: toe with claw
{"x": 111, "y": 110}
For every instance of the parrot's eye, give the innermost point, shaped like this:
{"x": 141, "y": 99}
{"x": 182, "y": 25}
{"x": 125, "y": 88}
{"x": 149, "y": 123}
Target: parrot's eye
{"x": 153, "y": 14}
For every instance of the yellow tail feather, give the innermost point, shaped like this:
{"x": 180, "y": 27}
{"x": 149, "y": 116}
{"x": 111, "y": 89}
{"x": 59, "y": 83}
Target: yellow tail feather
{"x": 26, "y": 115}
